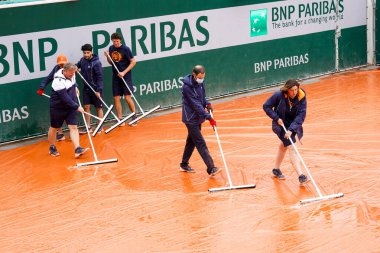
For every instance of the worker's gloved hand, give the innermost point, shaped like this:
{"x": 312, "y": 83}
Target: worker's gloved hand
{"x": 40, "y": 92}
{"x": 212, "y": 122}
{"x": 209, "y": 108}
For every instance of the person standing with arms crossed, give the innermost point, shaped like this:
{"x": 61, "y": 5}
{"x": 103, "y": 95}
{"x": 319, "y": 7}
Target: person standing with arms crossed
{"x": 64, "y": 107}
{"x": 194, "y": 106}
{"x": 91, "y": 70}
{"x": 61, "y": 60}
{"x": 123, "y": 58}
{"x": 287, "y": 107}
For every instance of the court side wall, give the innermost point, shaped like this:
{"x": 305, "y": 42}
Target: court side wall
{"x": 244, "y": 45}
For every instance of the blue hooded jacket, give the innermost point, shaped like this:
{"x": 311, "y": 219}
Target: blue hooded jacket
{"x": 275, "y": 108}
{"x": 91, "y": 70}
{"x": 63, "y": 95}
{"x": 194, "y": 102}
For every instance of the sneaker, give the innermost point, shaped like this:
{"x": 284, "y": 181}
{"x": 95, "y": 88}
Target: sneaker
{"x": 302, "y": 178}
{"x": 134, "y": 123}
{"x": 186, "y": 169}
{"x": 278, "y": 173}
{"x": 53, "y": 151}
{"x": 214, "y": 171}
{"x": 83, "y": 131}
{"x": 60, "y": 137}
{"x": 80, "y": 151}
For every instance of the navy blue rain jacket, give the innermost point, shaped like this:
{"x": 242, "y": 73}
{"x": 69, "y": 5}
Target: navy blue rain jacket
{"x": 193, "y": 102}
{"x": 63, "y": 95}
{"x": 275, "y": 108}
{"x": 92, "y": 72}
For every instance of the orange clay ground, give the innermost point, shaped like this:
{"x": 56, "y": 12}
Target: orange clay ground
{"x": 143, "y": 203}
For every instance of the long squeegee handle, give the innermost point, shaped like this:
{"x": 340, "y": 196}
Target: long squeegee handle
{"x": 118, "y": 71}
{"x": 100, "y": 97}
{"x": 303, "y": 163}
{"x": 221, "y": 153}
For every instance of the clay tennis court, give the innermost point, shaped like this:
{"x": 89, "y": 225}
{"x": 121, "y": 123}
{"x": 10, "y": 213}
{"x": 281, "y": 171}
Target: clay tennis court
{"x": 143, "y": 203}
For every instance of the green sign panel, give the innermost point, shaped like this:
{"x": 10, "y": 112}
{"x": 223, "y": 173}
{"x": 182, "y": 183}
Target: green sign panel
{"x": 259, "y": 22}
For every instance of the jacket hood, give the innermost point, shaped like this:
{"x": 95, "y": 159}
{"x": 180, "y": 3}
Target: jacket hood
{"x": 301, "y": 94}
{"x": 59, "y": 73}
{"x": 94, "y": 58}
{"x": 188, "y": 80}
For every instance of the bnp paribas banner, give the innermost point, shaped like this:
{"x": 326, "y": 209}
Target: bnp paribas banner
{"x": 243, "y": 48}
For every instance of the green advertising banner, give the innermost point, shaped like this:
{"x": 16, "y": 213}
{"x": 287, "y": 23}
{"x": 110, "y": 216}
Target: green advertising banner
{"x": 243, "y": 47}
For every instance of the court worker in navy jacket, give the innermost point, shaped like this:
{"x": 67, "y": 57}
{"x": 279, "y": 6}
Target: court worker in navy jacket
{"x": 287, "y": 107}
{"x": 194, "y": 113}
{"x": 91, "y": 70}
{"x": 61, "y": 61}
{"x": 63, "y": 107}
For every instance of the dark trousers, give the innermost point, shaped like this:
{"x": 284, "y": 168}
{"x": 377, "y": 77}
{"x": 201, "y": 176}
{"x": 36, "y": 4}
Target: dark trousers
{"x": 195, "y": 140}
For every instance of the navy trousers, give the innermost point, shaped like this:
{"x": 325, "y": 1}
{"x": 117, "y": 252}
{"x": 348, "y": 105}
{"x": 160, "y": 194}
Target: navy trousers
{"x": 195, "y": 140}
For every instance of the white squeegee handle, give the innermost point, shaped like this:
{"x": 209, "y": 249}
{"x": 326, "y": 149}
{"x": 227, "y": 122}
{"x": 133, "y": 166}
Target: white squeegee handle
{"x": 221, "y": 153}
{"x": 304, "y": 165}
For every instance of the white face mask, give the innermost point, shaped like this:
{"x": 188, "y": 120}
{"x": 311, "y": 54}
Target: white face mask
{"x": 199, "y": 80}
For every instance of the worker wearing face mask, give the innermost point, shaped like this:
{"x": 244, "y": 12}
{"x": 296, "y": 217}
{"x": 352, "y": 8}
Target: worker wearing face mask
{"x": 196, "y": 110}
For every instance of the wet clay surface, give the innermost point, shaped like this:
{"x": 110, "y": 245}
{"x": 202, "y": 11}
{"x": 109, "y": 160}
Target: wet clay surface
{"x": 143, "y": 203}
